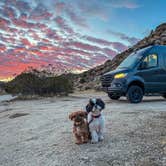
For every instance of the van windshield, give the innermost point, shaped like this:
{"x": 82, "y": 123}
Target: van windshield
{"x": 131, "y": 61}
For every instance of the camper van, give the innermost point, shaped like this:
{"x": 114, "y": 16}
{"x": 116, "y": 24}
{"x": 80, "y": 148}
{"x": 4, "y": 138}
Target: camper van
{"x": 142, "y": 73}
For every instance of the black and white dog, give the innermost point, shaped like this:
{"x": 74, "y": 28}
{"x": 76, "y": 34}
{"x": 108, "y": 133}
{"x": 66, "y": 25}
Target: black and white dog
{"x": 96, "y": 119}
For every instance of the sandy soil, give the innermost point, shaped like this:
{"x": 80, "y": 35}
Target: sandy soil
{"x": 38, "y": 133}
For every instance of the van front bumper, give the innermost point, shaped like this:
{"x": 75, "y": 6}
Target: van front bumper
{"x": 116, "y": 88}
{"x": 111, "y": 90}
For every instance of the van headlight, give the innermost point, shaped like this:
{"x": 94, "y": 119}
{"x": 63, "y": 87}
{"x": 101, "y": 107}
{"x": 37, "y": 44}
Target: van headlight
{"x": 120, "y": 75}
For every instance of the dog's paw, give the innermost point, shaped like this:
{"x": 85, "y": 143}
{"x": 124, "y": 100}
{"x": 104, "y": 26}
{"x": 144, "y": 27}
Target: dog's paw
{"x": 94, "y": 142}
{"x": 85, "y": 141}
{"x": 78, "y": 143}
{"x": 101, "y": 138}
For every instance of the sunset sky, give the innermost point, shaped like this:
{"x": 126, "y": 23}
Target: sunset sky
{"x": 73, "y": 34}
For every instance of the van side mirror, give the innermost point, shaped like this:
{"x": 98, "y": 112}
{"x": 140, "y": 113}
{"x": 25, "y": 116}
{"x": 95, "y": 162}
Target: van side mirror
{"x": 143, "y": 65}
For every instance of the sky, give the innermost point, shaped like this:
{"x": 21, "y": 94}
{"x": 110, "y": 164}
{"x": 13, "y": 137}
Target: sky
{"x": 71, "y": 35}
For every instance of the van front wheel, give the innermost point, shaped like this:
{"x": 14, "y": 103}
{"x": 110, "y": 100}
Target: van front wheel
{"x": 134, "y": 94}
{"x": 164, "y": 95}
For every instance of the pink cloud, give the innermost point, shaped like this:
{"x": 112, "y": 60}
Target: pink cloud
{"x": 98, "y": 41}
{"x": 119, "y": 46}
{"x": 52, "y": 34}
{"x": 59, "y": 8}
{"x": 116, "y": 45}
{"x": 93, "y": 8}
{"x": 62, "y": 24}
{"x": 130, "y": 4}
{"x": 4, "y": 23}
{"x": 22, "y": 5}
{"x": 2, "y": 48}
{"x": 41, "y": 16}
{"x": 9, "y": 12}
{"x": 73, "y": 51}
{"x": 69, "y": 10}
{"x": 23, "y": 23}
{"x": 83, "y": 46}
{"x": 122, "y": 36}
{"x": 19, "y": 49}
{"x": 8, "y": 39}
{"x": 109, "y": 52}
{"x": 26, "y": 42}
{"x": 75, "y": 18}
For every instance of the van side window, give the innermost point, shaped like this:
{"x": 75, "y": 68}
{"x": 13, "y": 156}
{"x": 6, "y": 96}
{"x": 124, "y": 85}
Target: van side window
{"x": 151, "y": 61}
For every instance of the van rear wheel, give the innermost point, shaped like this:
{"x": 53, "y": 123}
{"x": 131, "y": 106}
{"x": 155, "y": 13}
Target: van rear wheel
{"x": 113, "y": 96}
{"x": 134, "y": 94}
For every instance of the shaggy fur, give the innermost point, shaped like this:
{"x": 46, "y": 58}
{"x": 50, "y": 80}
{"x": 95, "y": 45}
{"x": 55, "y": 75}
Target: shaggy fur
{"x": 80, "y": 126}
{"x": 96, "y": 127}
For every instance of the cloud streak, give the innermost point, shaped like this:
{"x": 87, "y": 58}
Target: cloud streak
{"x": 122, "y": 36}
{"x": 129, "y": 4}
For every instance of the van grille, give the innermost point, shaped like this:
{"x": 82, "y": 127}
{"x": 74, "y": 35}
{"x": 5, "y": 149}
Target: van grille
{"x": 106, "y": 80}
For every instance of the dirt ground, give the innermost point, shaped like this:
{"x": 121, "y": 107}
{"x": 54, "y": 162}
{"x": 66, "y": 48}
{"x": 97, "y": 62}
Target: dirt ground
{"x": 38, "y": 133}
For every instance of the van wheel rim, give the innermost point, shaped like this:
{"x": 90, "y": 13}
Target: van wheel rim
{"x": 136, "y": 95}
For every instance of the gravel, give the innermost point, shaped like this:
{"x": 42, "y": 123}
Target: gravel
{"x": 41, "y": 133}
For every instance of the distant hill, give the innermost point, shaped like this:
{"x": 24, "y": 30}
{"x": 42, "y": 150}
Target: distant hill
{"x": 35, "y": 83}
{"x": 91, "y": 78}
{"x": 2, "y": 84}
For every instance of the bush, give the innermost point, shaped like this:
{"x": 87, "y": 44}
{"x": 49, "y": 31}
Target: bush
{"x": 82, "y": 80}
{"x": 30, "y": 84}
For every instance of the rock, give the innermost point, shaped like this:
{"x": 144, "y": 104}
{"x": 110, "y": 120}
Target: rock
{"x": 163, "y": 34}
{"x": 157, "y": 42}
{"x": 163, "y": 38}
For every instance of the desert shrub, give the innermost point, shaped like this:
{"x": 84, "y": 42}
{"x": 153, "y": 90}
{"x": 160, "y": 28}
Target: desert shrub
{"x": 85, "y": 74}
{"x": 29, "y": 83}
{"x": 82, "y": 80}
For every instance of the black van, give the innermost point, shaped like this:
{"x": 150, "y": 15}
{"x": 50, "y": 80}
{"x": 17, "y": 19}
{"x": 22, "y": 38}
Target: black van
{"x": 141, "y": 73}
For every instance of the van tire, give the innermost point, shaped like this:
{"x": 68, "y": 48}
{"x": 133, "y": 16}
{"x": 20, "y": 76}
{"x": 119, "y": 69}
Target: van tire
{"x": 134, "y": 94}
{"x": 164, "y": 95}
{"x": 113, "y": 96}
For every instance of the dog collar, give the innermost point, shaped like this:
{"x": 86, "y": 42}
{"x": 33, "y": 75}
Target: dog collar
{"x": 97, "y": 116}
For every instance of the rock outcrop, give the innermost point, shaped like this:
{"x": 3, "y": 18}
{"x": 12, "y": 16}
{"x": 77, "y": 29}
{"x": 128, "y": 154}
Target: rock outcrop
{"x": 91, "y": 78}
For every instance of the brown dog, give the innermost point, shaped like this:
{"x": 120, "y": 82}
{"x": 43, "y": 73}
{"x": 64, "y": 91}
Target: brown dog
{"x": 80, "y": 126}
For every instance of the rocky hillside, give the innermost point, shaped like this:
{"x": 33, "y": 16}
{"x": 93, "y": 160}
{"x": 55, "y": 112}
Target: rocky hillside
{"x": 91, "y": 78}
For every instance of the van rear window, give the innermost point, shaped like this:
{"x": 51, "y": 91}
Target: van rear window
{"x": 151, "y": 60}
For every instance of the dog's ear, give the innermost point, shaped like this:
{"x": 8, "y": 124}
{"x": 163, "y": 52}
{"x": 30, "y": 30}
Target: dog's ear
{"x": 72, "y": 116}
{"x": 83, "y": 114}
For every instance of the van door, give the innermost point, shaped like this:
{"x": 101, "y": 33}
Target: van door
{"x": 150, "y": 71}
{"x": 163, "y": 73}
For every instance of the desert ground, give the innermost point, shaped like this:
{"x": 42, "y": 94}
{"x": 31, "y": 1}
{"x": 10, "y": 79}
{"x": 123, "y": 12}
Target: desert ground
{"x": 38, "y": 132}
